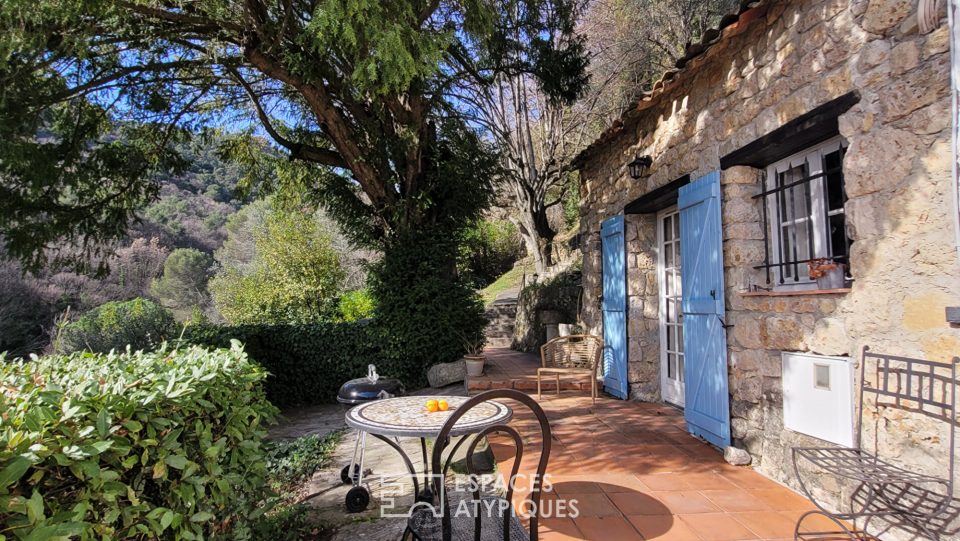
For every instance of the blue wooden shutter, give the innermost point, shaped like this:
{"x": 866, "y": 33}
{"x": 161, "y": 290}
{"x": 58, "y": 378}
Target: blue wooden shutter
{"x": 707, "y": 409}
{"x": 614, "y": 307}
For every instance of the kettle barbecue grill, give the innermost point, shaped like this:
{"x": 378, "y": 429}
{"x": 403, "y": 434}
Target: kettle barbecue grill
{"x": 354, "y": 392}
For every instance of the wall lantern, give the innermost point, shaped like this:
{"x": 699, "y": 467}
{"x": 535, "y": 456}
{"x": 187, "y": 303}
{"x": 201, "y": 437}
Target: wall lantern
{"x": 639, "y": 165}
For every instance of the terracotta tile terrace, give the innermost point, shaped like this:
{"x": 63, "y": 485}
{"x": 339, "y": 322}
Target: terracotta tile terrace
{"x": 509, "y": 369}
{"x": 636, "y": 473}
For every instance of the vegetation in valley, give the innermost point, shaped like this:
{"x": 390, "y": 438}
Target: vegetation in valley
{"x": 293, "y": 276}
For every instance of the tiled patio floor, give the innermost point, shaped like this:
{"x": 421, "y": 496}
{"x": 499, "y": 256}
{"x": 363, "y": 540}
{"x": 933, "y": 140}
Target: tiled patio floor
{"x": 637, "y": 474}
{"x": 508, "y": 369}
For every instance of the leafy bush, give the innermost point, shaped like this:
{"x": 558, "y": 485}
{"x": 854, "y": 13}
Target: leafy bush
{"x": 295, "y": 275}
{"x": 307, "y": 363}
{"x": 356, "y": 305}
{"x": 139, "y": 323}
{"x": 292, "y": 461}
{"x": 133, "y": 446}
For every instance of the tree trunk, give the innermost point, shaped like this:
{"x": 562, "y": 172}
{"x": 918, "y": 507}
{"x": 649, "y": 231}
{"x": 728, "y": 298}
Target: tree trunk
{"x": 536, "y": 232}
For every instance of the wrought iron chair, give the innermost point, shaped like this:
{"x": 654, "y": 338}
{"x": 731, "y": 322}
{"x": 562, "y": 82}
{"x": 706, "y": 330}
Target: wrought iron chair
{"x": 577, "y": 354}
{"x": 491, "y": 517}
{"x": 884, "y": 489}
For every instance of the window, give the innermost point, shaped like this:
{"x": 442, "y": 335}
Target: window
{"x": 803, "y": 214}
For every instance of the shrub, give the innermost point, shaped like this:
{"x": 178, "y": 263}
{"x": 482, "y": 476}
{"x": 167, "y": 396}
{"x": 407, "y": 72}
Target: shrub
{"x": 25, "y": 313}
{"x": 307, "y": 363}
{"x": 356, "y": 305}
{"x": 139, "y": 323}
{"x": 133, "y": 446}
{"x": 294, "y": 276}
{"x": 289, "y": 464}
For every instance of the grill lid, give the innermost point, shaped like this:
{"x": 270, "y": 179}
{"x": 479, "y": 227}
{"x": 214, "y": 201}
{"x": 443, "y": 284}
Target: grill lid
{"x": 372, "y": 387}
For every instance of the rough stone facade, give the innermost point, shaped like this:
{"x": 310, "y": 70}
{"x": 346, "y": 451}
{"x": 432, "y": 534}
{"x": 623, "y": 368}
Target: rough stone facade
{"x": 551, "y": 301}
{"x": 643, "y": 368}
{"x": 780, "y": 61}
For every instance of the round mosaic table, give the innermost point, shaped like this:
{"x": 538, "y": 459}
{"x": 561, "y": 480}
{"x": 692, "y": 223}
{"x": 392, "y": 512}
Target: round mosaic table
{"x": 407, "y": 416}
{"x": 391, "y": 418}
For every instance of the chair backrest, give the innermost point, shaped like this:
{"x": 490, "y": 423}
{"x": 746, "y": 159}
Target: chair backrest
{"x": 574, "y": 351}
{"x": 918, "y": 386}
{"x": 440, "y": 468}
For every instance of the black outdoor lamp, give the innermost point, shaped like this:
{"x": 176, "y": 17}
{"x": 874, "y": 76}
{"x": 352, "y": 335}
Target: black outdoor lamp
{"x": 639, "y": 165}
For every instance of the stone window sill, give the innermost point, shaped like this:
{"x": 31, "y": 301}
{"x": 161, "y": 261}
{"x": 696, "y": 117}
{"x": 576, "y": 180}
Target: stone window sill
{"x": 839, "y": 291}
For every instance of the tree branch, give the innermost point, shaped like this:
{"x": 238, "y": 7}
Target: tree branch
{"x": 297, "y": 150}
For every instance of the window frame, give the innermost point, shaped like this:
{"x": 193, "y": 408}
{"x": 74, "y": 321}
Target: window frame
{"x": 819, "y": 215}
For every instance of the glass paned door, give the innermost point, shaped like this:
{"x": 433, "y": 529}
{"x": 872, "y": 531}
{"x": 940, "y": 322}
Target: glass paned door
{"x": 671, "y": 313}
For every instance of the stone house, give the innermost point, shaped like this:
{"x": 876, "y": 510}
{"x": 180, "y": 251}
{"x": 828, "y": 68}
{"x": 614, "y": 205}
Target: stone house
{"x": 821, "y": 129}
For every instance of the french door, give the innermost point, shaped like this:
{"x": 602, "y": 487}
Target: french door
{"x": 671, "y": 310}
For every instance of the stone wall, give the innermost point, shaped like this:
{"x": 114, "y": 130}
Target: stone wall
{"x": 779, "y": 62}
{"x": 643, "y": 313}
{"x": 551, "y": 301}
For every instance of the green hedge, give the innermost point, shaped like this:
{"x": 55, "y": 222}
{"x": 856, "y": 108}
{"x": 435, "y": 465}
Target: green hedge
{"x": 308, "y": 363}
{"x": 132, "y": 446}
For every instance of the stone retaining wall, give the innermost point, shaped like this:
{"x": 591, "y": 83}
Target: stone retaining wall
{"x": 790, "y": 58}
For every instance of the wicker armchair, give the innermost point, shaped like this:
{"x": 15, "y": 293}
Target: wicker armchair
{"x": 577, "y": 355}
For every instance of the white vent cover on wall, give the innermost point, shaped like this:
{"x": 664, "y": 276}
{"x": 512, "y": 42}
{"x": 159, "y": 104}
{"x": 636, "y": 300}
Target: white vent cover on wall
{"x": 818, "y": 396}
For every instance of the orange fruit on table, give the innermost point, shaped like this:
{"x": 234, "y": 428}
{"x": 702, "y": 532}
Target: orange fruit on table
{"x": 432, "y": 406}
{"x": 442, "y": 404}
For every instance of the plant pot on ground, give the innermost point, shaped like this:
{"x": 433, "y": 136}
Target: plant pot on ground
{"x": 473, "y": 355}
{"x": 475, "y": 364}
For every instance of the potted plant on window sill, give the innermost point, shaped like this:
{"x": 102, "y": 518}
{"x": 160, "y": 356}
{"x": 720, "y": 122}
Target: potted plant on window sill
{"x": 473, "y": 355}
{"x": 827, "y": 272}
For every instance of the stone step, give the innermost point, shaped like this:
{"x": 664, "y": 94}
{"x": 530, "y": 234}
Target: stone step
{"x": 501, "y": 316}
{"x": 499, "y": 341}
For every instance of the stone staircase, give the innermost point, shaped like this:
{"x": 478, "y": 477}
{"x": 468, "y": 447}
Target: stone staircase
{"x": 501, "y": 314}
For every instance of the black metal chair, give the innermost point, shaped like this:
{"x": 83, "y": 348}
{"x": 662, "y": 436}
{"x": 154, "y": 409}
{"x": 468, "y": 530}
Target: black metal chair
{"x": 884, "y": 489}
{"x": 490, "y": 517}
